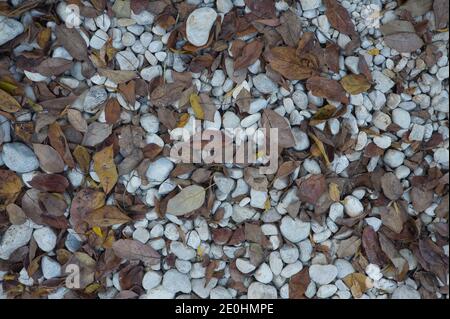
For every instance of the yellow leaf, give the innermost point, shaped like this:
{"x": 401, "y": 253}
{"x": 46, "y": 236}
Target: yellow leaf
{"x": 43, "y": 37}
{"x": 82, "y": 157}
{"x": 200, "y": 251}
{"x": 321, "y": 148}
{"x": 105, "y": 168}
{"x": 335, "y": 193}
{"x": 267, "y": 205}
{"x": 358, "y": 284}
{"x": 374, "y": 51}
{"x": 10, "y": 183}
{"x": 184, "y": 118}
{"x": 324, "y": 113}
{"x": 8, "y": 103}
{"x": 98, "y": 231}
{"x": 92, "y": 288}
{"x": 196, "y": 107}
{"x": 355, "y": 83}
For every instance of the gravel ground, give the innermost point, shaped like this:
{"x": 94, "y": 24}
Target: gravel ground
{"x": 95, "y": 94}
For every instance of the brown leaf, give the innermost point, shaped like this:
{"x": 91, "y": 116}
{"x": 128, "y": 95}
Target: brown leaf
{"x": 77, "y": 120}
{"x": 364, "y": 68}
{"x": 417, "y": 7}
{"x": 392, "y": 188}
{"x": 10, "y": 184}
{"x": 15, "y": 214}
{"x": 331, "y": 57}
{"x": 117, "y": 76}
{"x": 323, "y": 114}
{"x": 220, "y": 236}
{"x": 404, "y": 42}
{"x": 421, "y": 198}
{"x": 298, "y": 284}
{"x": 189, "y": 199}
{"x": 372, "y": 247}
{"x": 151, "y": 151}
{"x": 105, "y": 168}
{"x": 112, "y": 111}
{"x": 49, "y": 159}
{"x": 256, "y": 180}
{"x": 50, "y": 183}
{"x": 327, "y": 88}
{"x": 253, "y": 233}
{"x": 355, "y": 83}
{"x": 106, "y": 216}
{"x": 286, "y": 168}
{"x": 285, "y": 61}
{"x": 393, "y": 218}
{"x": 262, "y": 8}
{"x": 397, "y": 26}
{"x": 72, "y": 41}
{"x": 339, "y": 17}
{"x": 84, "y": 201}
{"x": 82, "y": 157}
{"x": 358, "y": 284}
{"x": 348, "y": 247}
{"x": 59, "y": 142}
{"x": 271, "y": 119}
{"x": 8, "y": 103}
{"x": 166, "y": 94}
{"x": 311, "y": 188}
{"x": 440, "y": 8}
{"x": 249, "y": 54}
{"x": 96, "y": 133}
{"x": 290, "y": 28}
{"x": 53, "y": 66}
{"x": 133, "y": 250}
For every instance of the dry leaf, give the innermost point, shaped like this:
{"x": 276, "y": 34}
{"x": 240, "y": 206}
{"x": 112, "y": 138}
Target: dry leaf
{"x": 355, "y": 83}
{"x": 339, "y": 17}
{"x": 53, "y": 66}
{"x": 249, "y": 54}
{"x": 105, "y": 168}
{"x": 271, "y": 119}
{"x": 391, "y": 185}
{"x": 358, "y": 283}
{"x": 15, "y": 214}
{"x": 49, "y": 159}
{"x": 82, "y": 157}
{"x": 334, "y": 191}
{"x": 49, "y": 183}
{"x": 324, "y": 113}
{"x": 404, "y": 42}
{"x": 186, "y": 201}
{"x": 117, "y": 76}
{"x": 72, "y": 41}
{"x": 133, "y": 250}
{"x": 96, "y": 133}
{"x": 112, "y": 111}
{"x": 194, "y": 99}
{"x": 10, "y": 185}
{"x": 290, "y": 28}
{"x": 327, "y": 88}
{"x": 417, "y": 7}
{"x": 298, "y": 284}
{"x": 8, "y": 103}
{"x": 440, "y": 9}
{"x": 84, "y": 201}
{"x": 77, "y": 120}
{"x": 106, "y": 216}
{"x": 311, "y": 188}
{"x": 285, "y": 61}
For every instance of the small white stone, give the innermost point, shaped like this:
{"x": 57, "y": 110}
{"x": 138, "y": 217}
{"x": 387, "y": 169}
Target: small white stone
{"x": 374, "y": 272}
{"x": 353, "y": 206}
{"x": 50, "y": 268}
{"x": 393, "y": 158}
{"x": 382, "y": 141}
{"x": 326, "y": 291}
{"x": 323, "y": 274}
{"x": 141, "y": 234}
{"x": 199, "y": 24}
{"x": 151, "y": 280}
{"x": 263, "y": 274}
{"x": 401, "y": 118}
{"x": 45, "y": 238}
{"x": 244, "y": 265}
{"x": 224, "y": 6}
{"x": 310, "y": 4}
{"x": 258, "y": 290}
{"x": 175, "y": 281}
{"x": 381, "y": 120}
{"x": 294, "y": 230}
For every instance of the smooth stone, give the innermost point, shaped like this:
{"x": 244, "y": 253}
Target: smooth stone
{"x": 50, "y": 268}
{"x": 159, "y": 170}
{"x": 45, "y": 238}
{"x": 10, "y": 29}
{"x": 175, "y": 281}
{"x": 151, "y": 280}
{"x": 264, "y": 84}
{"x": 258, "y": 290}
{"x": 323, "y": 274}
{"x": 19, "y": 158}
{"x": 15, "y": 237}
{"x": 294, "y": 230}
{"x": 199, "y": 24}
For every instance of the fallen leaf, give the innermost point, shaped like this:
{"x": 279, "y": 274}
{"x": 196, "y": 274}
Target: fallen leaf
{"x": 319, "y": 144}
{"x": 112, "y": 111}
{"x": 15, "y": 214}
{"x": 355, "y": 83}
{"x": 327, "y": 88}
{"x": 249, "y": 54}
{"x": 298, "y": 284}
{"x": 194, "y": 99}
{"x": 404, "y": 42}
{"x": 417, "y": 7}
{"x": 59, "y": 142}
{"x": 339, "y": 17}
{"x": 311, "y": 188}
{"x": 82, "y": 157}
{"x": 118, "y": 76}
{"x": 105, "y": 168}
{"x": 335, "y": 192}
{"x": 358, "y": 283}
{"x": 72, "y": 41}
{"x": 84, "y": 201}
{"x": 396, "y": 26}
{"x": 10, "y": 185}
{"x": 133, "y": 250}
{"x": 393, "y": 218}
{"x": 440, "y": 9}
{"x": 391, "y": 185}
{"x": 285, "y": 61}
{"x": 189, "y": 199}
{"x": 77, "y": 120}
{"x": 106, "y": 216}
{"x": 49, "y": 183}
{"x": 372, "y": 247}
{"x": 96, "y": 133}
{"x": 324, "y": 113}
{"x": 421, "y": 198}
{"x": 49, "y": 159}
{"x": 272, "y": 120}
{"x": 53, "y": 66}
{"x": 348, "y": 247}
{"x": 290, "y": 28}
{"x": 8, "y": 103}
